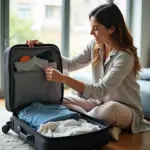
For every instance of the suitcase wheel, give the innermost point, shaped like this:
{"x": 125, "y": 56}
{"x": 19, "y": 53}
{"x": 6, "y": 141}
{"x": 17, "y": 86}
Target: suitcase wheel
{"x": 5, "y": 128}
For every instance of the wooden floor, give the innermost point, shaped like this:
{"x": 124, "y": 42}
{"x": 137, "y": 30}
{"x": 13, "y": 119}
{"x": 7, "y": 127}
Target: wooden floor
{"x": 127, "y": 141}
{"x": 2, "y": 103}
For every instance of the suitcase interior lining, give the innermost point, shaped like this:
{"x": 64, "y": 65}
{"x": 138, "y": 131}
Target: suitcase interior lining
{"x": 22, "y": 83}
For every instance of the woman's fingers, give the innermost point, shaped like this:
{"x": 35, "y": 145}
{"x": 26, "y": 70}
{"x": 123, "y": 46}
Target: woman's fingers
{"x": 49, "y": 73}
{"x": 27, "y": 42}
{"x": 32, "y": 43}
{"x": 49, "y": 77}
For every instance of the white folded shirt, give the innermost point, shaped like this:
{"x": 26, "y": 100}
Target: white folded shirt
{"x": 67, "y": 128}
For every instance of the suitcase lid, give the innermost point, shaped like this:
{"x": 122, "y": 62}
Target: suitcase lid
{"x": 25, "y": 83}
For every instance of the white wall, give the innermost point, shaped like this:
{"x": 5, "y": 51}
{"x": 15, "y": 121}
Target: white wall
{"x": 140, "y": 25}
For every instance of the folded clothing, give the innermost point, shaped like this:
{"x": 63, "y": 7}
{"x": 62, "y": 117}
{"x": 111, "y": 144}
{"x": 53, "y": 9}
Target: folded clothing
{"x": 33, "y": 64}
{"x": 37, "y": 114}
{"x": 25, "y": 58}
{"x": 68, "y": 127}
{"x": 144, "y": 74}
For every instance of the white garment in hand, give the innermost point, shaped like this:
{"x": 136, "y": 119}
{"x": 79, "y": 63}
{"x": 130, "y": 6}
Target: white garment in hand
{"x": 67, "y": 128}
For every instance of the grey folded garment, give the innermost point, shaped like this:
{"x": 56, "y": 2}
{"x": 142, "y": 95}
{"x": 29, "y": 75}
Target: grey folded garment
{"x": 144, "y": 74}
{"x": 34, "y": 64}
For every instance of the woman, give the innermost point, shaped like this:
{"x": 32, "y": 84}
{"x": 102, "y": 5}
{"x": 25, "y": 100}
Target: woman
{"x": 114, "y": 94}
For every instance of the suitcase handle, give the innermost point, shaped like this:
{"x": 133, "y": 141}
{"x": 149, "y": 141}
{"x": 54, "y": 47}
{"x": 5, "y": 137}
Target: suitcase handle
{"x": 27, "y": 137}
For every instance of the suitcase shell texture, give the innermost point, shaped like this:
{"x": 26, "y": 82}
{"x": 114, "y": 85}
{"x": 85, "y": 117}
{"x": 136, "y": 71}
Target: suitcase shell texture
{"x": 16, "y": 90}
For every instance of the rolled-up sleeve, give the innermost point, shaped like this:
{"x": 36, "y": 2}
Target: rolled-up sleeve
{"x": 122, "y": 65}
{"x": 79, "y": 61}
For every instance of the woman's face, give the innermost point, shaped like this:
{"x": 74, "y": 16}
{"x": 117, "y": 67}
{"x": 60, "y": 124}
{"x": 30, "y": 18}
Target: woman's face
{"x": 99, "y": 31}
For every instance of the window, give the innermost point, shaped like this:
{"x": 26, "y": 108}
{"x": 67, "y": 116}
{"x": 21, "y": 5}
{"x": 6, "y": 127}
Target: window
{"x": 122, "y": 6}
{"x": 24, "y": 10}
{"x": 79, "y": 31}
{"x": 3, "y": 40}
{"x": 86, "y": 1}
{"x": 52, "y": 17}
{"x": 49, "y": 11}
{"x": 35, "y": 20}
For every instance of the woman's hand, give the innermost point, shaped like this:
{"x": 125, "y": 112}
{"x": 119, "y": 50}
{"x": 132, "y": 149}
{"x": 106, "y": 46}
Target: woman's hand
{"x": 32, "y": 43}
{"x": 54, "y": 75}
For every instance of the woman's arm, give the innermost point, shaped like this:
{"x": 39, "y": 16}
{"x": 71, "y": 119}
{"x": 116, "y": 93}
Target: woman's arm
{"x": 79, "y": 61}
{"x": 74, "y": 84}
{"x": 56, "y": 76}
{"x": 122, "y": 65}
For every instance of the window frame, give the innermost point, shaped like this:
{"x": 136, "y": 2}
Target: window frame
{"x": 4, "y": 39}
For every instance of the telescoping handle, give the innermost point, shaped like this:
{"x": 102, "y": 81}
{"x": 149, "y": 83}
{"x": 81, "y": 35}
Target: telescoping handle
{"x": 27, "y": 137}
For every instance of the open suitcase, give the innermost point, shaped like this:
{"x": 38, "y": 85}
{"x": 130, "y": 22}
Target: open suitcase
{"x": 24, "y": 88}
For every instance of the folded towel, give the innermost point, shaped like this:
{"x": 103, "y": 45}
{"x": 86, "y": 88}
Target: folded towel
{"x": 37, "y": 114}
{"x": 68, "y": 127}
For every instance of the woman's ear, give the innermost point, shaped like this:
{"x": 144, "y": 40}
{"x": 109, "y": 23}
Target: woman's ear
{"x": 112, "y": 29}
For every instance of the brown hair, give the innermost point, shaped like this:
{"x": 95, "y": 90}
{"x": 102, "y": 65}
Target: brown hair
{"x": 109, "y": 15}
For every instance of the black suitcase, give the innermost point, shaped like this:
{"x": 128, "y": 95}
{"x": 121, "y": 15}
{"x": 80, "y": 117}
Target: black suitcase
{"x": 22, "y": 89}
